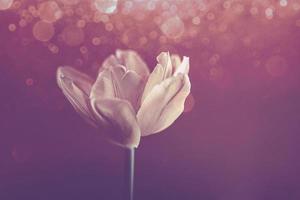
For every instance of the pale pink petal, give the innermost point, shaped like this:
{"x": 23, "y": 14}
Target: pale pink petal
{"x": 132, "y": 61}
{"x": 132, "y": 88}
{"x": 107, "y": 83}
{"x": 109, "y": 62}
{"x": 164, "y": 59}
{"x": 76, "y": 86}
{"x": 116, "y": 82}
{"x": 103, "y": 86}
{"x": 162, "y": 71}
{"x": 121, "y": 116}
{"x": 175, "y": 107}
{"x": 163, "y": 105}
{"x": 184, "y": 67}
{"x": 155, "y": 78}
{"x": 176, "y": 61}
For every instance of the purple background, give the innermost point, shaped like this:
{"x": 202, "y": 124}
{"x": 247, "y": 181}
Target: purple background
{"x": 240, "y": 141}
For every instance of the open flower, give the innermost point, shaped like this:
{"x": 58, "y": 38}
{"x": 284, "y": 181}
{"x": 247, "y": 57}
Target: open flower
{"x": 125, "y": 99}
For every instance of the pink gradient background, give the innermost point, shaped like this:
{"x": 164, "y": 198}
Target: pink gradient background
{"x": 239, "y": 142}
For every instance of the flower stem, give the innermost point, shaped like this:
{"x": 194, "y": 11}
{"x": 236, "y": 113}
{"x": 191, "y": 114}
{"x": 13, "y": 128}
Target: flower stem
{"x": 129, "y": 173}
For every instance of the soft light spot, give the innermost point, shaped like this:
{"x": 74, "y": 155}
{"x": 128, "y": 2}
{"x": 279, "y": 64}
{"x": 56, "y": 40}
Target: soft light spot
{"x": 109, "y": 27}
{"x": 269, "y": 12}
{"x": 153, "y": 35}
{"x": 283, "y": 3}
{"x": 173, "y": 27}
{"x": 49, "y": 11}
{"x": 53, "y": 48}
{"x": 29, "y": 82}
{"x": 16, "y": 5}
{"x": 12, "y": 27}
{"x": 5, "y": 4}
{"x": 227, "y": 4}
{"x": 78, "y": 62}
{"x": 254, "y": 11}
{"x": 70, "y": 2}
{"x": 22, "y": 23}
{"x": 196, "y": 20}
{"x": 84, "y": 50}
{"x": 96, "y": 41}
{"x": 215, "y": 73}
{"x": 73, "y": 36}
{"x": 276, "y": 66}
{"x": 214, "y": 59}
{"x": 211, "y": 16}
{"x": 81, "y": 23}
{"x": 106, "y": 6}
{"x": 43, "y": 31}
{"x": 143, "y": 41}
{"x": 296, "y": 6}
{"x": 151, "y": 5}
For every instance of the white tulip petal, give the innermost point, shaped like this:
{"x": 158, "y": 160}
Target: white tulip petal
{"x": 76, "y": 86}
{"x": 118, "y": 72}
{"x": 103, "y": 86}
{"x": 175, "y": 107}
{"x": 165, "y": 60}
{"x": 156, "y": 111}
{"x": 109, "y": 62}
{"x": 184, "y": 67}
{"x": 132, "y": 61}
{"x": 132, "y": 88}
{"x": 116, "y": 82}
{"x": 162, "y": 71}
{"x": 176, "y": 61}
{"x": 155, "y": 78}
{"x": 120, "y": 114}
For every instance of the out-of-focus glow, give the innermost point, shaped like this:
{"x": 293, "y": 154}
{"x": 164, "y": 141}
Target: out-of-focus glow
{"x": 5, "y": 4}
{"x": 49, "y": 11}
{"x": 276, "y": 66}
{"x": 283, "y": 3}
{"x": 106, "y": 6}
{"x": 43, "y": 31}
{"x": 269, "y": 13}
{"x": 73, "y": 36}
{"x": 215, "y": 28}
{"x": 12, "y": 27}
{"x": 173, "y": 27}
{"x": 29, "y": 82}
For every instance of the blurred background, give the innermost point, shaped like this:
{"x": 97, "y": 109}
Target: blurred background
{"x": 238, "y": 138}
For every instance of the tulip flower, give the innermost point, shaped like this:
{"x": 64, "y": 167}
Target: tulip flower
{"x": 126, "y": 97}
{"x": 125, "y": 100}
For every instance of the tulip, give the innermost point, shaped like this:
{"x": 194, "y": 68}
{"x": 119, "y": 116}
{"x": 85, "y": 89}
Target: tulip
{"x": 125, "y": 100}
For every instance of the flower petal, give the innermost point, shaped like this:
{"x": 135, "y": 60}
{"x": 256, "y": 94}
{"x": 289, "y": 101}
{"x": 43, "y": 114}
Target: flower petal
{"x": 175, "y": 107}
{"x": 116, "y": 82}
{"x": 132, "y": 88}
{"x": 155, "y": 78}
{"x": 162, "y": 71}
{"x": 163, "y": 105}
{"x": 184, "y": 67}
{"x": 132, "y": 61}
{"x": 76, "y": 86}
{"x": 176, "y": 61}
{"x": 164, "y": 59}
{"x": 110, "y": 62}
{"x": 121, "y": 116}
{"x": 103, "y": 86}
